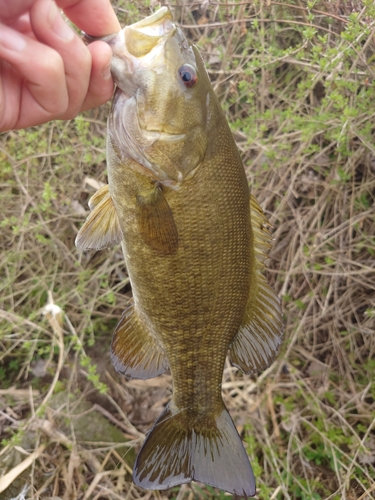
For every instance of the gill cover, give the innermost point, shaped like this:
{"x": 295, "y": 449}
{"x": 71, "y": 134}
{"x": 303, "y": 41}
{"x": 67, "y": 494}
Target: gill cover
{"x": 160, "y": 112}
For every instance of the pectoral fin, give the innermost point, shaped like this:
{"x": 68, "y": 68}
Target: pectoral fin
{"x": 135, "y": 353}
{"x": 258, "y": 340}
{"x": 155, "y": 221}
{"x": 102, "y": 228}
{"x": 97, "y": 197}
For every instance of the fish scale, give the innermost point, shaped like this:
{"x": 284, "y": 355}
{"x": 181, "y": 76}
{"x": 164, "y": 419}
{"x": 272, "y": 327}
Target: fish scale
{"x": 194, "y": 241}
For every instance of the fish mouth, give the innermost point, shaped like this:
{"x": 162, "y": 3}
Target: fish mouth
{"x": 155, "y": 25}
{"x": 137, "y": 47}
{"x": 156, "y": 135}
{"x": 141, "y": 37}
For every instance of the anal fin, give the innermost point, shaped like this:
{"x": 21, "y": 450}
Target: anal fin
{"x": 135, "y": 353}
{"x": 102, "y": 228}
{"x": 258, "y": 340}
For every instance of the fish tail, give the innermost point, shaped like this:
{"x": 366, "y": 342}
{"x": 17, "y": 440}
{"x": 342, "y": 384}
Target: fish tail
{"x": 209, "y": 450}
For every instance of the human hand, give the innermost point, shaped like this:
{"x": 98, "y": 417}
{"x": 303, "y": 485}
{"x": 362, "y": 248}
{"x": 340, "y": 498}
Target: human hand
{"x": 46, "y": 71}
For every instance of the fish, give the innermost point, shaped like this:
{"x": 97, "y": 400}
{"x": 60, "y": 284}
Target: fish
{"x": 194, "y": 242}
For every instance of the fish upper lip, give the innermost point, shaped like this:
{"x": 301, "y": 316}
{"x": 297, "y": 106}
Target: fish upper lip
{"x": 152, "y": 20}
{"x": 142, "y": 25}
{"x": 87, "y": 39}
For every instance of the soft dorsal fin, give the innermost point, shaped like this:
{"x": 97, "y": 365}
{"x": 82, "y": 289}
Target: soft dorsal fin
{"x": 155, "y": 221}
{"x": 135, "y": 353}
{"x": 102, "y": 228}
{"x": 258, "y": 340}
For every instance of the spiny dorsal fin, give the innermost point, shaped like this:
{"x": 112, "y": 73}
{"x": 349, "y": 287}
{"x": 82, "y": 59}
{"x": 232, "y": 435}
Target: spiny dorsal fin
{"x": 134, "y": 351}
{"x": 262, "y": 236}
{"x": 258, "y": 340}
{"x": 102, "y": 228}
{"x": 155, "y": 221}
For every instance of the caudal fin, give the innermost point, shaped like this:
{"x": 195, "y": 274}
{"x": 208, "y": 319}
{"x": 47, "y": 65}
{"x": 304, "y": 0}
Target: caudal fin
{"x": 210, "y": 452}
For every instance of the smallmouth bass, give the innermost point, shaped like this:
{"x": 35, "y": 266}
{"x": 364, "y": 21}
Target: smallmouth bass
{"x": 194, "y": 242}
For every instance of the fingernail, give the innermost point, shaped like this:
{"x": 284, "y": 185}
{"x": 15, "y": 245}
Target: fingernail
{"x": 11, "y": 39}
{"x": 107, "y": 71}
{"x": 58, "y": 25}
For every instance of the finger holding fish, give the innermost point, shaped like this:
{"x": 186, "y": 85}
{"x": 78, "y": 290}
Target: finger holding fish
{"x": 47, "y": 71}
{"x": 96, "y": 17}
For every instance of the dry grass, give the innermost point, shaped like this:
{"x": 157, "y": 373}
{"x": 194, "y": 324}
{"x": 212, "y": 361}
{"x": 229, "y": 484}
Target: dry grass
{"x": 298, "y": 89}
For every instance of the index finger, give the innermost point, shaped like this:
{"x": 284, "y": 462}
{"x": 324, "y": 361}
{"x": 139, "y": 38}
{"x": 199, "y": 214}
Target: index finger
{"x": 95, "y": 17}
{"x": 10, "y": 11}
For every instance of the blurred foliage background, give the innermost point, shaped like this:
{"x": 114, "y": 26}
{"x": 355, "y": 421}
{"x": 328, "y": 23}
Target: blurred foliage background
{"x": 296, "y": 80}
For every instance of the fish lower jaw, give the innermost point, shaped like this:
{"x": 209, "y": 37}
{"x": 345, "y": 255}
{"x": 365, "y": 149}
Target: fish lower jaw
{"x": 154, "y": 135}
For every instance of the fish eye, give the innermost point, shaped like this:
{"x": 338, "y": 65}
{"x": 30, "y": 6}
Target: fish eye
{"x": 188, "y": 75}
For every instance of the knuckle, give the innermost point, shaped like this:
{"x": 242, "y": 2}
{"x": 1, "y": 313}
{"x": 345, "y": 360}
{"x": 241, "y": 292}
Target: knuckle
{"x": 87, "y": 59}
{"x": 53, "y": 66}
{"x": 71, "y": 113}
{"x": 82, "y": 59}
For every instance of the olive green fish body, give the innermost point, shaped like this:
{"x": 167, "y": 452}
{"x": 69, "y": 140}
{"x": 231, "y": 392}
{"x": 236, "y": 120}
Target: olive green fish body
{"x": 194, "y": 299}
{"x": 194, "y": 242}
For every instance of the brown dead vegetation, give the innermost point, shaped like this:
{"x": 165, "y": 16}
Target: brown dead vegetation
{"x": 296, "y": 80}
